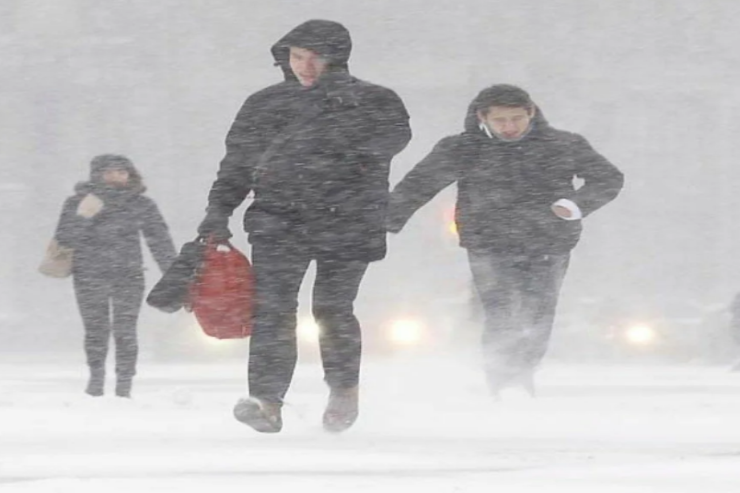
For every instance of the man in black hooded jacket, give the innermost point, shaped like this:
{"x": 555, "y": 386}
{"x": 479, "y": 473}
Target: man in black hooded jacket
{"x": 518, "y": 215}
{"x": 316, "y": 151}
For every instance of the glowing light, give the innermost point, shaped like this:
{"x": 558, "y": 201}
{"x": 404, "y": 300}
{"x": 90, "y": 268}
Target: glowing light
{"x": 308, "y": 330}
{"x": 206, "y": 339}
{"x": 449, "y": 218}
{"x": 406, "y": 332}
{"x": 641, "y": 335}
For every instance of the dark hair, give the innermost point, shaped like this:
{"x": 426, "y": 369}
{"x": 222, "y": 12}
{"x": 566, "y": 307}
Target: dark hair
{"x": 103, "y": 162}
{"x": 328, "y": 39}
{"x": 502, "y": 95}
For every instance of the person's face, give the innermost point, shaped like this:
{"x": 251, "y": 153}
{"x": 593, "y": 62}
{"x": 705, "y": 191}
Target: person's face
{"x": 306, "y": 65}
{"x": 507, "y": 123}
{"x": 115, "y": 177}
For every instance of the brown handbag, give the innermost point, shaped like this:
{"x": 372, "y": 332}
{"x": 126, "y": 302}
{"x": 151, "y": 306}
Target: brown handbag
{"x": 57, "y": 261}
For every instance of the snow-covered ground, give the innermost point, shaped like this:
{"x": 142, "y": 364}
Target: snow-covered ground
{"x": 425, "y": 426}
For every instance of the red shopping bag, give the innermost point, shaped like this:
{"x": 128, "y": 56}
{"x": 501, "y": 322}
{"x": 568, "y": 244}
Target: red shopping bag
{"x": 222, "y": 294}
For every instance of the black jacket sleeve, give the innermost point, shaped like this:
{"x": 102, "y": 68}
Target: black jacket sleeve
{"x": 430, "y": 176}
{"x": 157, "y": 235}
{"x": 388, "y": 130}
{"x": 244, "y": 144}
{"x": 71, "y": 227}
{"x": 602, "y": 180}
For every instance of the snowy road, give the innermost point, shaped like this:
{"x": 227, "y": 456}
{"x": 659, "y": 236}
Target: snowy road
{"x": 425, "y": 426}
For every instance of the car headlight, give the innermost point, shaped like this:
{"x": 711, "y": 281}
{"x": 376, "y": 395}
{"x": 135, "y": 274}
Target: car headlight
{"x": 308, "y": 330}
{"x": 641, "y": 335}
{"x": 207, "y": 340}
{"x": 449, "y": 219}
{"x": 406, "y": 332}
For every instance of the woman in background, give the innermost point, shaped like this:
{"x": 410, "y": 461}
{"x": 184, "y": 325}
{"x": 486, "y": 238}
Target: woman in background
{"x": 102, "y": 222}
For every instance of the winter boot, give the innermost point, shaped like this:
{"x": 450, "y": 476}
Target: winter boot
{"x": 263, "y": 416}
{"x": 96, "y": 383}
{"x": 525, "y": 380}
{"x": 498, "y": 382}
{"x": 123, "y": 387}
{"x": 342, "y": 409}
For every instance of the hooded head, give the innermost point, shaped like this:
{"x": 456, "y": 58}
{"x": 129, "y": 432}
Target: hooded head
{"x": 504, "y": 111}
{"x": 328, "y": 39}
{"x": 104, "y": 162}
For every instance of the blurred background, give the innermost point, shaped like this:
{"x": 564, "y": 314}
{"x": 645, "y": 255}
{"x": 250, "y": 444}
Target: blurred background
{"x": 652, "y": 84}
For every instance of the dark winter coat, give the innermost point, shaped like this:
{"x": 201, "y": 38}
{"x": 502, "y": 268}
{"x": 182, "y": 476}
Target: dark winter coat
{"x": 317, "y": 158}
{"x": 108, "y": 245}
{"x": 506, "y": 189}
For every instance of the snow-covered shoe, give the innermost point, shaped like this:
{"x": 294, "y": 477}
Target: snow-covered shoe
{"x": 123, "y": 387}
{"x": 96, "y": 383}
{"x": 265, "y": 417}
{"x": 523, "y": 381}
{"x": 342, "y": 409}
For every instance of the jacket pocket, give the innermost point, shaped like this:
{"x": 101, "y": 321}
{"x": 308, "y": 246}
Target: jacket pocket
{"x": 266, "y": 224}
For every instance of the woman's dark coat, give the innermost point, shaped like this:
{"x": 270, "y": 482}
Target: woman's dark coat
{"x": 108, "y": 245}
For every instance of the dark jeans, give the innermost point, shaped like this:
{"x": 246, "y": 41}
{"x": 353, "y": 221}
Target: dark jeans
{"x": 110, "y": 304}
{"x": 279, "y": 268}
{"x": 519, "y": 297}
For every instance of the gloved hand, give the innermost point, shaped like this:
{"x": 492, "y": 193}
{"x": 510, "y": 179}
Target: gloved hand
{"x": 89, "y": 206}
{"x": 216, "y": 226}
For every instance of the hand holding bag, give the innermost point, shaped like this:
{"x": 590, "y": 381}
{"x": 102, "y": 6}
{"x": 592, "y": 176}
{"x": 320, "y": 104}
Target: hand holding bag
{"x": 172, "y": 291}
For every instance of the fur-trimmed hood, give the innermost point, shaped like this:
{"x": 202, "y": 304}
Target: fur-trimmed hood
{"x": 99, "y": 164}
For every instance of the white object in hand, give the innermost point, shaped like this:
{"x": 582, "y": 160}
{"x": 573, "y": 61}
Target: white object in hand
{"x": 575, "y": 211}
{"x": 89, "y": 206}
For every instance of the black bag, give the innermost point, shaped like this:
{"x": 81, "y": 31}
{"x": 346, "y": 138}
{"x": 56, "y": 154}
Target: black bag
{"x": 172, "y": 291}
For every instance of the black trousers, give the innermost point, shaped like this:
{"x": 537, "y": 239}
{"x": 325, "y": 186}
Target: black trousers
{"x": 110, "y": 304}
{"x": 519, "y": 297}
{"x": 279, "y": 268}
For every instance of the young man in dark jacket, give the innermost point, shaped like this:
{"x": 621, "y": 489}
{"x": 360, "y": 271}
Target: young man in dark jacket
{"x": 315, "y": 149}
{"x": 518, "y": 215}
{"x": 103, "y": 223}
